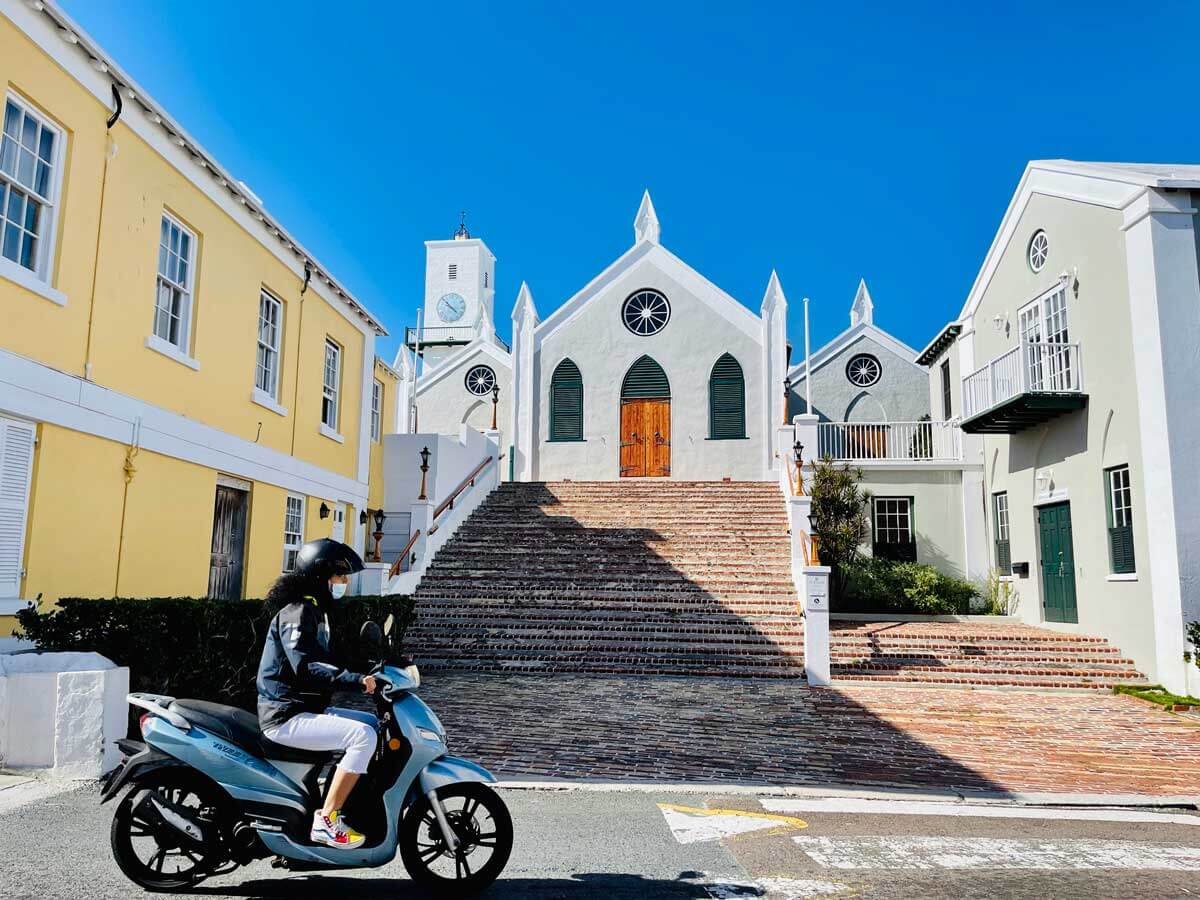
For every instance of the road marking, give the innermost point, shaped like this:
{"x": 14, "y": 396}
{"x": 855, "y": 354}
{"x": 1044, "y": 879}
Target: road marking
{"x": 850, "y": 805}
{"x": 904, "y": 852}
{"x": 693, "y": 825}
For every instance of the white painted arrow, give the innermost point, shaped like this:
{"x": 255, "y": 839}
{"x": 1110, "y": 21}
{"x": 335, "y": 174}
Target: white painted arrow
{"x": 692, "y": 825}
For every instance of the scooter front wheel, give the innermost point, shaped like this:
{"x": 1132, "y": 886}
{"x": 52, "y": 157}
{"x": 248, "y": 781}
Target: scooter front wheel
{"x": 483, "y": 828}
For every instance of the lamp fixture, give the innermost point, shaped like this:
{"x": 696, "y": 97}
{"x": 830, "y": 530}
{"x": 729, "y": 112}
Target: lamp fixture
{"x": 324, "y": 511}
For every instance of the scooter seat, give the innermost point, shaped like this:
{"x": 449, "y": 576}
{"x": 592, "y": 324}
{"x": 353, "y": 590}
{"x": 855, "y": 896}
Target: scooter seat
{"x": 241, "y": 728}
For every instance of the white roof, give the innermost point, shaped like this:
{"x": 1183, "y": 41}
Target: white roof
{"x": 1161, "y": 175}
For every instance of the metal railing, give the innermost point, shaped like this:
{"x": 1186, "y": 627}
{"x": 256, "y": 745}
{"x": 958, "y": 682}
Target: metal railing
{"x": 444, "y": 334}
{"x": 890, "y": 440}
{"x": 1029, "y": 367}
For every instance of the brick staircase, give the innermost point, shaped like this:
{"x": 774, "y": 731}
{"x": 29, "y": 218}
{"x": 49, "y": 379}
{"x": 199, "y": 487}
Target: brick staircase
{"x": 632, "y": 577}
{"x": 951, "y": 653}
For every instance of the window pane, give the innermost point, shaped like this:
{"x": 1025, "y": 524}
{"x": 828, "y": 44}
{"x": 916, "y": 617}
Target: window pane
{"x": 12, "y": 116}
{"x": 31, "y": 215}
{"x": 11, "y": 243}
{"x": 41, "y": 182}
{"x": 29, "y": 131}
{"x": 27, "y": 252}
{"x": 185, "y": 248}
{"x": 8, "y": 156}
{"x": 174, "y": 242}
{"x": 164, "y": 234}
{"x": 25, "y": 167}
{"x": 46, "y": 149}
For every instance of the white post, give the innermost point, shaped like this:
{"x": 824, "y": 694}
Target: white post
{"x": 807, "y": 364}
{"x": 816, "y": 625}
{"x": 421, "y": 516}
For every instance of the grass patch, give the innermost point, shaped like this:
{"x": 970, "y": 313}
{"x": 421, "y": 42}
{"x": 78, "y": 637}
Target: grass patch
{"x": 1155, "y": 693}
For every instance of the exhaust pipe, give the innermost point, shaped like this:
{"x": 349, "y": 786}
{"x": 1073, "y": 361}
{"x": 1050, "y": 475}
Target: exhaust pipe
{"x": 172, "y": 822}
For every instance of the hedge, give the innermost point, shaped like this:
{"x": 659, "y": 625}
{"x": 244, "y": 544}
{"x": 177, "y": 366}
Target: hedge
{"x": 192, "y": 647}
{"x": 880, "y": 585}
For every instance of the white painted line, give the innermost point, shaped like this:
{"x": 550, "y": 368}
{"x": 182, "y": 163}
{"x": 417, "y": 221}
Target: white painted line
{"x": 904, "y": 852}
{"x": 692, "y": 825}
{"x": 853, "y": 806}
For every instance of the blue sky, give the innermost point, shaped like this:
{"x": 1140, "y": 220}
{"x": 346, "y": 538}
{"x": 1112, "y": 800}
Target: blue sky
{"x": 827, "y": 141}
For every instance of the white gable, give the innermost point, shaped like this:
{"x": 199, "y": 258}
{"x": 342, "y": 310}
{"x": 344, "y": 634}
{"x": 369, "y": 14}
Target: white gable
{"x": 479, "y": 348}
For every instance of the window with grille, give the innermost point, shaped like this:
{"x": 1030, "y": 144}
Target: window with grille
{"x": 893, "y": 529}
{"x": 453, "y": 271}
{"x": 726, "y": 400}
{"x": 566, "y": 403}
{"x": 30, "y": 174}
{"x": 293, "y": 531}
{"x": 270, "y": 322}
{"x": 173, "y": 300}
{"x": 330, "y": 384}
{"x": 1000, "y": 521}
{"x": 1120, "y": 520}
{"x": 376, "y": 410}
{"x": 947, "y": 396}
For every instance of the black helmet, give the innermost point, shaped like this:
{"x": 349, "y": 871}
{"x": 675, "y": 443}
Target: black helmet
{"x": 324, "y": 558}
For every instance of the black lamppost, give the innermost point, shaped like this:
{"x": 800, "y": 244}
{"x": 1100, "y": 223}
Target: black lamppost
{"x": 787, "y": 390}
{"x": 424, "y": 454}
{"x": 798, "y": 456}
{"x": 378, "y": 534}
{"x": 495, "y": 403}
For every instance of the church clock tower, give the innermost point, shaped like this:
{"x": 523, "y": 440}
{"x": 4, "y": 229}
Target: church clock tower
{"x": 459, "y": 295}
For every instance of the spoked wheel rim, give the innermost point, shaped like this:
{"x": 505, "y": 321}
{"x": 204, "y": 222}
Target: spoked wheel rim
{"x": 482, "y": 826}
{"x": 152, "y": 857}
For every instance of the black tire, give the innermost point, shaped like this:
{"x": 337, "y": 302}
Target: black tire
{"x": 181, "y": 786}
{"x": 480, "y": 821}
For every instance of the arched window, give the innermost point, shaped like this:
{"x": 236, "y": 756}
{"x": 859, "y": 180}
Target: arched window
{"x": 566, "y": 403}
{"x": 645, "y": 380}
{"x": 726, "y": 400}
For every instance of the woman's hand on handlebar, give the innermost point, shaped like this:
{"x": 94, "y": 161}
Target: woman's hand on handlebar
{"x": 368, "y": 683}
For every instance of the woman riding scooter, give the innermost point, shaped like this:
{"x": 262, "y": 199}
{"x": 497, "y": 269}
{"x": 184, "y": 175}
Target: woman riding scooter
{"x": 297, "y": 676}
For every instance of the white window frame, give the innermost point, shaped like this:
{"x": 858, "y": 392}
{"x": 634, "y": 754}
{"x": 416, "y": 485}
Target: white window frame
{"x": 38, "y": 278}
{"x": 291, "y": 545}
{"x": 273, "y": 351}
{"x": 1122, "y": 515}
{"x": 891, "y": 506}
{"x": 186, "y": 289}
{"x": 376, "y": 410}
{"x": 1001, "y": 514}
{"x": 330, "y": 393}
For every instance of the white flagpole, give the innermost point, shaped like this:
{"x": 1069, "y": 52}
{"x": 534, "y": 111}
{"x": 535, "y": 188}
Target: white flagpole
{"x": 807, "y": 364}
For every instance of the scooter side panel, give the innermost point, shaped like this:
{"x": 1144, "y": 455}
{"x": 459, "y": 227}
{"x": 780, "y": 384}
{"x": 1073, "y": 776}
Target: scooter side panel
{"x": 449, "y": 770}
{"x": 245, "y": 777}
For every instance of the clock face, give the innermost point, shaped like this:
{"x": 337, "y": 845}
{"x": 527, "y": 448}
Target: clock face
{"x": 451, "y": 307}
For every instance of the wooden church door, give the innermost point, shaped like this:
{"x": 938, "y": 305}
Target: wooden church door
{"x": 645, "y": 438}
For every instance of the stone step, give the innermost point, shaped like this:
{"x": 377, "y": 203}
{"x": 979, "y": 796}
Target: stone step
{"x": 558, "y": 646}
{"x": 980, "y": 679}
{"x": 983, "y": 643}
{"x": 583, "y": 598}
{"x": 999, "y": 657}
{"x": 483, "y": 567}
{"x": 998, "y": 665}
{"x": 448, "y": 627}
{"x": 596, "y": 581}
{"x": 629, "y": 666}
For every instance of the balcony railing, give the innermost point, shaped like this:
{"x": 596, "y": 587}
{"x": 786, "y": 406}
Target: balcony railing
{"x": 910, "y": 441}
{"x": 443, "y": 335}
{"x": 1028, "y": 368}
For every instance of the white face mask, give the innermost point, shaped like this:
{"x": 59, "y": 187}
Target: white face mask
{"x": 338, "y": 590}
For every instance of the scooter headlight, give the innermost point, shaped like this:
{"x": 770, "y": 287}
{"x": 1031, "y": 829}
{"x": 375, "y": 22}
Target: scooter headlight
{"x": 431, "y": 735}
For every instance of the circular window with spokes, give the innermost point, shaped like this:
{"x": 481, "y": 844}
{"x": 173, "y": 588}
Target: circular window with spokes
{"x": 480, "y": 380}
{"x": 1039, "y": 250}
{"x": 646, "y": 312}
{"x": 863, "y": 370}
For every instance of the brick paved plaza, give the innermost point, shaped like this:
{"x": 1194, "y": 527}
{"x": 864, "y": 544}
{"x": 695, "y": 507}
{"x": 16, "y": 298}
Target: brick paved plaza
{"x": 731, "y": 730}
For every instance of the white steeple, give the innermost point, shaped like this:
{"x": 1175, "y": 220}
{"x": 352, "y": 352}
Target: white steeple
{"x": 524, "y": 309}
{"x": 863, "y": 309}
{"x": 773, "y": 295}
{"x": 645, "y": 223}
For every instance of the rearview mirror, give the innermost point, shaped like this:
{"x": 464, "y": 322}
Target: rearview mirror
{"x": 370, "y": 637}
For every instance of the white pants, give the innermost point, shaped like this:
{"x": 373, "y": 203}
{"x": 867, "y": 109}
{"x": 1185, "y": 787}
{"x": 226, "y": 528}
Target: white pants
{"x": 334, "y": 729}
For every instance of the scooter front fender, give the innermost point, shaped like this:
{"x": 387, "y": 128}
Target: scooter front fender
{"x": 448, "y": 770}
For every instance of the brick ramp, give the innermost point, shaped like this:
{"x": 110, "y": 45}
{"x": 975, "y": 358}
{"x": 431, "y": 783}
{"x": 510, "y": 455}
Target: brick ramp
{"x": 633, "y": 577}
{"x": 977, "y": 654}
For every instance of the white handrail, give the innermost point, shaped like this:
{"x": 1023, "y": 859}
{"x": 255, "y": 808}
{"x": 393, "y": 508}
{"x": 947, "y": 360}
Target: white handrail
{"x": 926, "y": 440}
{"x": 1030, "y": 367}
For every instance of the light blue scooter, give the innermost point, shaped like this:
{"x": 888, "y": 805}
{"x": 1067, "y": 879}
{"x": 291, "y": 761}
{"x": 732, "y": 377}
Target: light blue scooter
{"x": 209, "y": 793}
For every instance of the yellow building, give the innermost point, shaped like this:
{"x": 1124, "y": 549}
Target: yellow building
{"x": 186, "y": 394}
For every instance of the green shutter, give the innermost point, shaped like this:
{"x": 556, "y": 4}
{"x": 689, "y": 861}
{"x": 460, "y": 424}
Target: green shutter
{"x": 645, "y": 380}
{"x": 566, "y": 403}
{"x": 1120, "y": 546}
{"x": 726, "y": 400}
{"x": 1004, "y": 557}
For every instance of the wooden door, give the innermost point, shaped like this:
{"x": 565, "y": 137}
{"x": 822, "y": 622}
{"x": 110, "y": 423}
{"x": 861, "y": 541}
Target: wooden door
{"x": 645, "y": 438}
{"x": 1058, "y": 563}
{"x": 228, "y": 544}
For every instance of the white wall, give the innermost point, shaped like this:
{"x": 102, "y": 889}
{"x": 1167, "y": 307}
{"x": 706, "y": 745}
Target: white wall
{"x": 598, "y": 342}
{"x": 937, "y": 511}
{"x": 444, "y": 404}
{"x": 451, "y": 460}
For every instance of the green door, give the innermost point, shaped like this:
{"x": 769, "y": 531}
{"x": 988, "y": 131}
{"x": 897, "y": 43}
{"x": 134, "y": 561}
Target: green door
{"x": 1058, "y": 563}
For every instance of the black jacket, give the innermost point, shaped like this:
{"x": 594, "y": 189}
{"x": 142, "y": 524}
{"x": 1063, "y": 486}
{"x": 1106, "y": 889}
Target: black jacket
{"x": 297, "y": 672}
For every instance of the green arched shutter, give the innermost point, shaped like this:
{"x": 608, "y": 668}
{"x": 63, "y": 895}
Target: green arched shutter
{"x": 726, "y": 400}
{"x": 566, "y": 403}
{"x": 645, "y": 379}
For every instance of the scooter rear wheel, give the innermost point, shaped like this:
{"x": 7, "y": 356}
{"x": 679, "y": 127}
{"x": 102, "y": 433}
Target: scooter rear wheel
{"x": 156, "y": 862}
{"x": 484, "y": 830}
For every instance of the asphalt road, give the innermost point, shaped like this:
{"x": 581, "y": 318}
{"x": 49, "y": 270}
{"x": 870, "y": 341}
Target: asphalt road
{"x": 582, "y": 844}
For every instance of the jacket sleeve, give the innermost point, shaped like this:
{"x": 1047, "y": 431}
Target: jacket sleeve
{"x": 298, "y": 625}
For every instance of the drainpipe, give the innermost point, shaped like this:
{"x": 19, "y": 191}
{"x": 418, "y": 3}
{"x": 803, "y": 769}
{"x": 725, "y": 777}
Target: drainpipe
{"x": 299, "y": 346}
{"x": 110, "y": 150}
{"x": 130, "y": 469}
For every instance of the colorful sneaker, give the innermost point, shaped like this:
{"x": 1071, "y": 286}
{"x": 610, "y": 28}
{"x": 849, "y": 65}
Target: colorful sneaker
{"x": 332, "y": 831}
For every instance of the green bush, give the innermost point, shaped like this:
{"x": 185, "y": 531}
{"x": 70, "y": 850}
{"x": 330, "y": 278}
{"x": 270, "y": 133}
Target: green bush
{"x": 880, "y": 585}
{"x": 188, "y": 647}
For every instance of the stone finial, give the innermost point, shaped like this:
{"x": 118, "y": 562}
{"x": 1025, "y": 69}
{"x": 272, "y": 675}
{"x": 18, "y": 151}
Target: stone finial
{"x": 862, "y": 311}
{"x": 645, "y": 223}
{"x": 774, "y": 294}
{"x": 524, "y": 309}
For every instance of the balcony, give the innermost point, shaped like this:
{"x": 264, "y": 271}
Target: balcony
{"x": 444, "y": 336}
{"x": 890, "y": 441}
{"x": 1030, "y": 384}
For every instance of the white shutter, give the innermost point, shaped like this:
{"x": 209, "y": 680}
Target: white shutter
{"x": 16, "y": 464}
